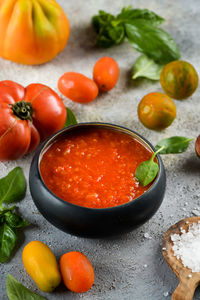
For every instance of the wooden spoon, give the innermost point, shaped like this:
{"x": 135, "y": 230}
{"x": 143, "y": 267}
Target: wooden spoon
{"x": 187, "y": 284}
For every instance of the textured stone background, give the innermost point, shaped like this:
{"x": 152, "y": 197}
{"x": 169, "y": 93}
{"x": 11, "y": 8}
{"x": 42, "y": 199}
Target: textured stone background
{"x": 130, "y": 267}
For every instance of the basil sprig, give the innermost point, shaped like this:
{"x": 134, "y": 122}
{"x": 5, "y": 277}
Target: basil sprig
{"x": 17, "y": 291}
{"x": 71, "y": 119}
{"x": 12, "y": 189}
{"x": 140, "y": 27}
{"x": 147, "y": 171}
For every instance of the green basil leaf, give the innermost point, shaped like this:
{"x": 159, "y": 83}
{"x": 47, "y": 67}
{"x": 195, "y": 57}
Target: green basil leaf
{"x": 13, "y": 186}
{"x": 101, "y": 20}
{"x": 146, "y": 67}
{"x": 152, "y": 41}
{"x": 174, "y": 144}
{"x": 128, "y": 14}
{"x": 17, "y": 291}
{"x": 146, "y": 172}
{"x": 110, "y": 30}
{"x": 8, "y": 239}
{"x": 71, "y": 119}
{"x": 14, "y": 220}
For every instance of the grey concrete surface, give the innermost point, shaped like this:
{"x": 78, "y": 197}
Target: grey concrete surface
{"x": 130, "y": 267}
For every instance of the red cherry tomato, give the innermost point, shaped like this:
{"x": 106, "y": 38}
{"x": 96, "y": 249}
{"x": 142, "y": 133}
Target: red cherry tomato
{"x": 77, "y": 271}
{"x": 27, "y": 115}
{"x": 77, "y": 87}
{"x": 106, "y": 73}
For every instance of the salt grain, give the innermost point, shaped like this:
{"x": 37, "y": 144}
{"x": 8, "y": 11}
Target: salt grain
{"x": 186, "y": 246}
{"x": 165, "y": 294}
{"x": 147, "y": 236}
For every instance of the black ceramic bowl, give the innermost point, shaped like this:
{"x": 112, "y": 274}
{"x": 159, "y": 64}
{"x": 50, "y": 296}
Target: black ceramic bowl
{"x": 90, "y": 222}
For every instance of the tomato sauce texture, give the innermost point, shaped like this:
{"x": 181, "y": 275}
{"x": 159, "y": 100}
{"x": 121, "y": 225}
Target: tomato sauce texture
{"x": 94, "y": 168}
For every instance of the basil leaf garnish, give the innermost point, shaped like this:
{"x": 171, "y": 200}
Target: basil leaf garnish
{"x": 14, "y": 220}
{"x": 17, "y": 291}
{"x": 71, "y": 119}
{"x": 152, "y": 41}
{"x": 12, "y": 186}
{"x": 174, "y": 144}
{"x": 8, "y": 239}
{"x": 146, "y": 67}
{"x": 146, "y": 171}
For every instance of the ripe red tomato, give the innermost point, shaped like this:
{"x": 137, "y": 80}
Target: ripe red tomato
{"x": 77, "y": 271}
{"x": 27, "y": 115}
{"x": 78, "y": 87}
{"x": 106, "y": 73}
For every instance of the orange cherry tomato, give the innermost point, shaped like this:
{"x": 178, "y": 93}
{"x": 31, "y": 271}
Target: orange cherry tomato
{"x": 78, "y": 87}
{"x": 106, "y": 73}
{"x": 156, "y": 111}
{"x": 77, "y": 271}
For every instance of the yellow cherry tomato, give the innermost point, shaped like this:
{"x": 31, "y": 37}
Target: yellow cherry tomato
{"x": 40, "y": 263}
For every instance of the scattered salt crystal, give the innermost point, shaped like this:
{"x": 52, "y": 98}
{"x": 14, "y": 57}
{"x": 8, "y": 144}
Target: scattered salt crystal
{"x": 165, "y": 294}
{"x": 186, "y": 203}
{"x": 187, "y": 247}
{"x": 147, "y": 235}
{"x": 145, "y": 266}
{"x": 164, "y": 248}
{"x": 183, "y": 208}
{"x": 190, "y": 275}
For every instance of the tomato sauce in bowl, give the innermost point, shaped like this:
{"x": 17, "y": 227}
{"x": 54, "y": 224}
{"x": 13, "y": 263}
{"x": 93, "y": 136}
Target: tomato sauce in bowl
{"x": 94, "y": 167}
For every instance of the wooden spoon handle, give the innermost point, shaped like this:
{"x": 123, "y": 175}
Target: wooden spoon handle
{"x": 184, "y": 291}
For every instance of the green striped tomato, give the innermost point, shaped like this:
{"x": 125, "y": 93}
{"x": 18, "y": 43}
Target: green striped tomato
{"x": 179, "y": 79}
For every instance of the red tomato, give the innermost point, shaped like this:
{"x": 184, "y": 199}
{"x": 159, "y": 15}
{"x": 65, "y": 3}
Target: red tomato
{"x": 78, "y": 87}
{"x": 27, "y": 115}
{"x": 106, "y": 73}
{"x": 77, "y": 271}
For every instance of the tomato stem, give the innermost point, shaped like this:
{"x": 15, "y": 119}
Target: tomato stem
{"x": 23, "y": 110}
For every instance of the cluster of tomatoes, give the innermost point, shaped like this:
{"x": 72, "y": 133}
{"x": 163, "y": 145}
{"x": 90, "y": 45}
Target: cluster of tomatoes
{"x": 32, "y": 114}
{"x": 82, "y": 89}
{"x": 179, "y": 80}
{"x": 75, "y": 269}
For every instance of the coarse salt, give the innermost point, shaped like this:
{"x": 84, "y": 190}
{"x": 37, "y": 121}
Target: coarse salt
{"x": 186, "y": 246}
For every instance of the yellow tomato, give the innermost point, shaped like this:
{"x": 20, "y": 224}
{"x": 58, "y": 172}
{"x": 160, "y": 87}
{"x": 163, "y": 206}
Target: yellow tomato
{"x": 40, "y": 263}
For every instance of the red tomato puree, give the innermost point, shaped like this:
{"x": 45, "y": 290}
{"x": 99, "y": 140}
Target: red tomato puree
{"x": 94, "y": 168}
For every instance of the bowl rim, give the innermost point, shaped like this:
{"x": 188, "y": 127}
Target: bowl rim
{"x": 123, "y": 129}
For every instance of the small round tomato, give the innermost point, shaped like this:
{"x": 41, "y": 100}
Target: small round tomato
{"x": 27, "y": 115}
{"x": 106, "y": 73}
{"x": 179, "y": 79}
{"x": 156, "y": 111}
{"x": 78, "y": 87}
{"x": 77, "y": 271}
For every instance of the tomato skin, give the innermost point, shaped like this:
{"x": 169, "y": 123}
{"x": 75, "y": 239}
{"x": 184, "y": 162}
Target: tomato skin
{"x": 156, "y": 111}
{"x": 77, "y": 271}
{"x": 15, "y": 135}
{"x": 49, "y": 113}
{"x": 179, "y": 79}
{"x": 19, "y": 136}
{"x": 106, "y": 73}
{"x": 77, "y": 87}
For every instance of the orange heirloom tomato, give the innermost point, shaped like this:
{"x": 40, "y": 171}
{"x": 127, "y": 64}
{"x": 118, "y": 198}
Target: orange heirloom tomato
{"x": 77, "y": 271}
{"x": 33, "y": 31}
{"x": 77, "y": 87}
{"x": 179, "y": 79}
{"x": 106, "y": 73}
{"x": 27, "y": 115}
{"x": 156, "y": 111}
